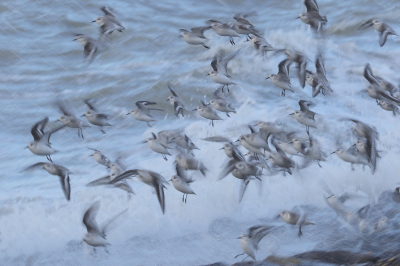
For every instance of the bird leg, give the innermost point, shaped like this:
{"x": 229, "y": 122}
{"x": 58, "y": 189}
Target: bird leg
{"x": 212, "y": 122}
{"x": 319, "y": 164}
{"x": 183, "y": 197}
{"x": 377, "y": 103}
{"x": 148, "y": 124}
{"x": 186, "y": 198}
{"x": 352, "y": 167}
{"x": 227, "y": 86}
{"x": 300, "y": 233}
{"x": 164, "y": 157}
{"x": 102, "y": 131}
{"x": 308, "y": 130}
{"x": 231, "y": 40}
{"x": 227, "y": 115}
{"x": 223, "y": 87}
{"x": 49, "y": 158}
{"x": 205, "y": 46}
{"x": 106, "y": 250}
{"x": 238, "y": 255}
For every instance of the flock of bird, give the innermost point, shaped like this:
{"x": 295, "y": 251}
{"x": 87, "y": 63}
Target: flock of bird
{"x": 271, "y": 147}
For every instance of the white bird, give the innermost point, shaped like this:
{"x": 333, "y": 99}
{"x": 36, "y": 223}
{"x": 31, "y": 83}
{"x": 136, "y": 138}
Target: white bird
{"x": 260, "y": 44}
{"x": 249, "y": 242}
{"x": 389, "y": 106}
{"x": 281, "y": 79}
{"x": 220, "y": 74}
{"x": 381, "y": 27}
{"x": 295, "y": 219}
{"x": 207, "y": 112}
{"x": 41, "y": 140}
{"x": 181, "y": 182}
{"x": 229, "y": 147}
{"x": 95, "y": 118}
{"x": 95, "y": 236}
{"x": 105, "y": 181}
{"x": 176, "y": 101}
{"x": 70, "y": 120}
{"x": 350, "y": 156}
{"x": 90, "y": 46}
{"x": 58, "y": 170}
{"x": 185, "y": 142}
{"x": 150, "y": 178}
{"x": 301, "y": 61}
{"x": 195, "y": 36}
{"x": 100, "y": 158}
{"x": 188, "y": 162}
{"x": 143, "y": 112}
{"x": 157, "y": 146}
{"x": 221, "y": 103}
{"x": 318, "y": 80}
{"x": 280, "y": 159}
{"x": 223, "y": 29}
{"x": 305, "y": 116}
{"x": 108, "y": 23}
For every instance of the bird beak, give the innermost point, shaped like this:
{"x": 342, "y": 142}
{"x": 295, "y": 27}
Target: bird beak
{"x": 167, "y": 100}
{"x": 237, "y": 140}
{"x": 221, "y": 148}
{"x": 195, "y": 109}
{"x": 238, "y": 238}
{"x": 145, "y": 141}
{"x": 74, "y": 39}
{"x": 170, "y": 180}
{"x": 291, "y": 114}
{"x": 127, "y": 113}
{"x": 297, "y": 17}
{"x": 82, "y": 115}
{"x": 278, "y": 216}
{"x": 90, "y": 155}
{"x": 208, "y": 74}
{"x": 333, "y": 152}
{"x": 25, "y": 147}
{"x": 93, "y": 21}
{"x": 353, "y": 145}
{"x": 290, "y": 142}
{"x": 267, "y": 78}
{"x": 247, "y": 40}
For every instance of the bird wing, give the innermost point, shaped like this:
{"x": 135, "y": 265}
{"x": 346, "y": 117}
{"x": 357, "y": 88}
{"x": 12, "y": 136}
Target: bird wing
{"x": 124, "y": 175}
{"x": 89, "y": 219}
{"x": 35, "y": 166}
{"x": 91, "y": 106}
{"x": 105, "y": 225}
{"x": 37, "y": 129}
{"x": 46, "y": 137}
{"x": 366, "y": 24}
{"x": 65, "y": 185}
{"x": 65, "y": 110}
{"x": 173, "y": 91}
{"x": 284, "y": 67}
{"x": 236, "y": 154}
{"x": 159, "y": 187}
{"x": 99, "y": 182}
{"x": 124, "y": 186}
{"x": 107, "y": 11}
{"x": 229, "y": 167}
{"x": 199, "y": 31}
{"x": 243, "y": 187}
{"x": 256, "y": 233}
{"x": 311, "y": 5}
{"x": 217, "y": 139}
{"x": 383, "y": 36}
{"x": 319, "y": 65}
{"x": 223, "y": 63}
{"x": 304, "y": 108}
{"x": 219, "y": 94}
{"x": 368, "y": 74}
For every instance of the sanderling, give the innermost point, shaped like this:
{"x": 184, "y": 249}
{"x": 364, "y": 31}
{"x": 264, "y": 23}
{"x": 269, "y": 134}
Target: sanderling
{"x": 301, "y": 61}
{"x": 249, "y": 242}
{"x": 90, "y": 46}
{"x": 168, "y": 136}
{"x": 207, "y": 112}
{"x": 351, "y": 156}
{"x": 312, "y": 16}
{"x": 143, "y": 112}
{"x": 389, "y": 106}
{"x": 100, "y": 158}
{"x": 94, "y": 117}
{"x": 305, "y": 116}
{"x": 374, "y": 90}
{"x": 318, "y": 81}
{"x": 242, "y": 17}
{"x": 386, "y": 85}
{"x": 187, "y": 162}
{"x": 295, "y": 219}
{"x": 176, "y": 101}
{"x": 221, "y": 103}
{"x": 256, "y": 150}
{"x": 181, "y": 182}
{"x": 70, "y": 120}
{"x": 248, "y": 169}
{"x": 229, "y": 147}
{"x": 108, "y": 23}
{"x": 314, "y": 152}
{"x": 185, "y": 142}
{"x": 105, "y": 181}
{"x": 41, "y": 140}
{"x": 150, "y": 178}
{"x": 282, "y": 78}
{"x": 383, "y": 29}
{"x": 280, "y": 159}
{"x": 157, "y": 146}
{"x": 96, "y": 237}
{"x": 60, "y": 171}
{"x": 371, "y": 135}
{"x": 195, "y": 36}
{"x": 223, "y": 29}
{"x": 220, "y": 74}
{"x": 260, "y": 44}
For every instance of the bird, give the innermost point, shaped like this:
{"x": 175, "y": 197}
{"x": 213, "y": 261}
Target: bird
{"x": 176, "y": 101}
{"x": 195, "y": 36}
{"x": 108, "y": 23}
{"x": 242, "y": 17}
{"x": 229, "y": 147}
{"x": 220, "y": 103}
{"x": 386, "y": 85}
{"x": 249, "y": 242}
{"x": 41, "y": 140}
{"x": 389, "y": 106}
{"x": 383, "y": 29}
{"x": 95, "y": 118}
{"x": 207, "y": 112}
{"x": 371, "y": 135}
{"x": 350, "y": 155}
{"x": 295, "y": 219}
{"x": 314, "y": 152}
{"x": 143, "y": 112}
{"x": 280, "y": 159}
{"x": 305, "y": 116}
{"x": 312, "y": 16}
{"x": 220, "y": 74}
{"x": 374, "y": 90}
{"x": 95, "y": 236}
{"x": 69, "y": 119}
{"x": 181, "y": 182}
{"x": 260, "y": 44}
{"x": 157, "y": 146}
{"x": 105, "y": 181}
{"x": 150, "y": 178}
{"x": 187, "y": 162}
{"x": 58, "y": 170}
{"x": 223, "y": 29}
{"x": 282, "y": 79}
{"x": 318, "y": 80}
{"x": 90, "y": 46}
{"x": 301, "y": 61}
{"x": 243, "y": 25}
{"x": 100, "y": 158}
{"x": 184, "y": 142}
